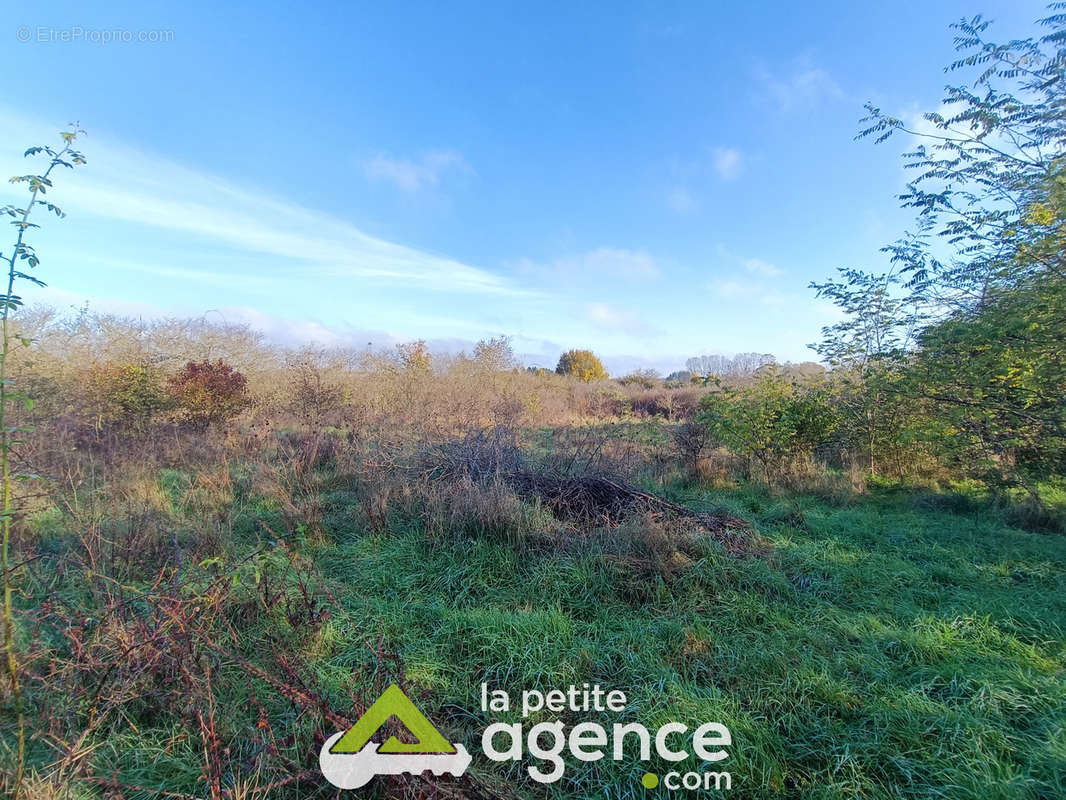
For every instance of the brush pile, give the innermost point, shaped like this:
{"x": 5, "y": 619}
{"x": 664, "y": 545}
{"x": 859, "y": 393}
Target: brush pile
{"x": 585, "y": 500}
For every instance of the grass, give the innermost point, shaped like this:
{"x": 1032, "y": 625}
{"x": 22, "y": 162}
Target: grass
{"x": 884, "y": 652}
{"x": 888, "y": 647}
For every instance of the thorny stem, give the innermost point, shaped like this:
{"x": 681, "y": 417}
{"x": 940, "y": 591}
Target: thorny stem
{"x": 5, "y": 468}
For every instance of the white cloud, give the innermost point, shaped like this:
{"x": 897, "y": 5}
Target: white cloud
{"x": 757, "y": 266}
{"x": 736, "y": 289}
{"x": 632, "y": 266}
{"x": 727, "y": 162}
{"x": 124, "y": 184}
{"x": 801, "y": 85}
{"x": 614, "y": 319}
{"x": 730, "y": 288}
{"x": 414, "y": 175}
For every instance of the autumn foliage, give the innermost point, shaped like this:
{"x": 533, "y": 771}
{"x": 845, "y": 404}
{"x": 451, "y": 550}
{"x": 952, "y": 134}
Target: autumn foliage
{"x": 208, "y": 392}
{"x": 582, "y": 364}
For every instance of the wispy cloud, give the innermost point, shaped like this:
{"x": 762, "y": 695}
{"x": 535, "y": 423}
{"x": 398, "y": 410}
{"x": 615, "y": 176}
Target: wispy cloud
{"x": 632, "y": 266}
{"x": 681, "y": 200}
{"x": 414, "y": 175}
{"x": 124, "y": 184}
{"x": 753, "y": 290}
{"x": 731, "y": 287}
{"x": 800, "y": 84}
{"x": 727, "y": 162}
{"x": 757, "y": 266}
{"x": 610, "y": 318}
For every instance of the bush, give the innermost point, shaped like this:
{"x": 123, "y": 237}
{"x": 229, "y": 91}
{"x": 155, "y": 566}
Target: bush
{"x": 131, "y": 393}
{"x": 206, "y": 392}
{"x": 774, "y": 421}
{"x": 582, "y": 364}
{"x": 644, "y": 378}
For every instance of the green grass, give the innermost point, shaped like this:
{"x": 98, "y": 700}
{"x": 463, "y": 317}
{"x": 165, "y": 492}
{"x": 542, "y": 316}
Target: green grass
{"x": 887, "y": 648}
{"x": 884, "y": 651}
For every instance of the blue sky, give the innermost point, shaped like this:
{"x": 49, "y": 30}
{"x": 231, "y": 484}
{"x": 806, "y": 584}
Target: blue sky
{"x": 651, "y": 180}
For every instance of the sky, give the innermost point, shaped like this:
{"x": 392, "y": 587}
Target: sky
{"x": 652, "y": 181}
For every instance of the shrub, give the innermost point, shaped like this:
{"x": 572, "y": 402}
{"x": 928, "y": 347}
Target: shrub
{"x": 132, "y": 393}
{"x": 693, "y": 440}
{"x": 582, "y": 364}
{"x": 313, "y": 397}
{"x": 644, "y": 378}
{"x": 774, "y": 421}
{"x": 206, "y": 392}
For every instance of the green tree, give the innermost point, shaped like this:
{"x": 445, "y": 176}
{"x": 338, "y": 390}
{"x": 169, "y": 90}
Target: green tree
{"x": 582, "y": 364}
{"x": 868, "y": 350}
{"x": 983, "y": 270}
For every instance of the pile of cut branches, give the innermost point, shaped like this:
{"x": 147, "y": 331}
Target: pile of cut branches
{"x": 587, "y": 500}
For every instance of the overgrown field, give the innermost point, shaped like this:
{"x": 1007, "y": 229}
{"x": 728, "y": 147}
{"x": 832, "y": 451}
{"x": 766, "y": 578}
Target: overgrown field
{"x": 198, "y": 612}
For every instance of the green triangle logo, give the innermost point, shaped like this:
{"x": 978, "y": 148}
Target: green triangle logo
{"x": 393, "y": 703}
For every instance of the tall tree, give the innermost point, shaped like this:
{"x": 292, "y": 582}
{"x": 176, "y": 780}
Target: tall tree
{"x": 983, "y": 269}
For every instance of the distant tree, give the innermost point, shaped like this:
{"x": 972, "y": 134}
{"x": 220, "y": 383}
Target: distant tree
{"x": 494, "y": 355}
{"x": 679, "y": 376}
{"x": 707, "y": 365}
{"x": 414, "y": 356}
{"x": 740, "y": 365}
{"x": 644, "y": 378}
{"x": 750, "y": 363}
{"x": 582, "y": 364}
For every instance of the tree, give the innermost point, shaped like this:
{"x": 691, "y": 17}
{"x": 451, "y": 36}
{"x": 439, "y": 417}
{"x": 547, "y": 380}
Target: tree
{"x": 740, "y": 365}
{"x": 494, "y": 355}
{"x": 582, "y": 364}
{"x": 679, "y": 376}
{"x": 983, "y": 270}
{"x": 707, "y": 365}
{"x": 868, "y": 349}
{"x": 414, "y": 356}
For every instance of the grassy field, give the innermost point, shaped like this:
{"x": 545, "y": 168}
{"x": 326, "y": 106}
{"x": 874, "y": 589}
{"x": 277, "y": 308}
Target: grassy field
{"x": 894, "y": 644}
